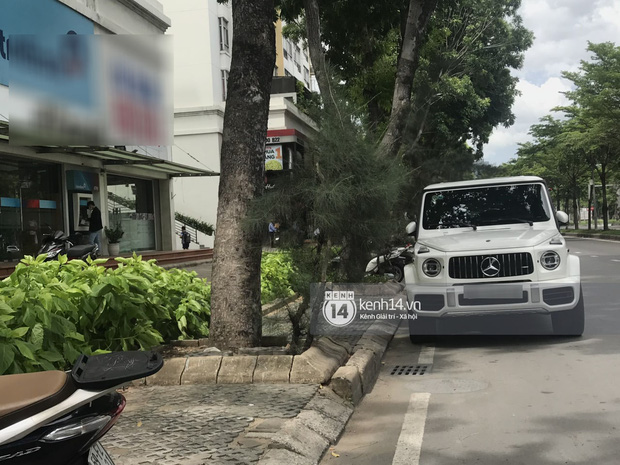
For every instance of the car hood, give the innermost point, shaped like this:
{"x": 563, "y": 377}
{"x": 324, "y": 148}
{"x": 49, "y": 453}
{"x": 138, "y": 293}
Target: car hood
{"x": 488, "y": 239}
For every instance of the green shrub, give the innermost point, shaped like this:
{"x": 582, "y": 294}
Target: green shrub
{"x": 52, "y": 311}
{"x": 277, "y": 274}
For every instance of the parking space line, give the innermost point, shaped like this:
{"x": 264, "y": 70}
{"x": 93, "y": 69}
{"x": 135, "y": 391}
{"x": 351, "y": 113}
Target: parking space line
{"x": 427, "y": 354}
{"x": 409, "y": 445}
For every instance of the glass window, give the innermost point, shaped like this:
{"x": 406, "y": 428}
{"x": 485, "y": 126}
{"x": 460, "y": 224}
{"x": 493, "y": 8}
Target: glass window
{"x": 130, "y": 204}
{"x": 296, "y": 56}
{"x": 224, "y": 43}
{"x": 30, "y": 205}
{"x": 486, "y": 206}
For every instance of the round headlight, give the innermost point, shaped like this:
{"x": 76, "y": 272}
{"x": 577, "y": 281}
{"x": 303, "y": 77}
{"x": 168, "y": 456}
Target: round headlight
{"x": 431, "y": 267}
{"x": 550, "y": 260}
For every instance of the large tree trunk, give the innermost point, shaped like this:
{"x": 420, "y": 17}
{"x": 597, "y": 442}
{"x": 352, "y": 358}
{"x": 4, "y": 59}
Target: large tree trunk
{"x": 418, "y": 16}
{"x": 317, "y": 56}
{"x": 236, "y": 317}
{"x": 576, "y": 212}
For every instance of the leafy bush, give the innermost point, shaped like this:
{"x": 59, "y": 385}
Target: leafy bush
{"x": 115, "y": 234}
{"x": 277, "y": 275}
{"x": 52, "y": 311}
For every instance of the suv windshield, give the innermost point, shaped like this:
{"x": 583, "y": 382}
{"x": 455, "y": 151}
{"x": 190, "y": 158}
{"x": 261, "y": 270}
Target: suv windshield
{"x": 521, "y": 203}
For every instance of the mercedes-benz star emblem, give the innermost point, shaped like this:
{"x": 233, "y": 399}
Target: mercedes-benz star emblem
{"x": 490, "y": 267}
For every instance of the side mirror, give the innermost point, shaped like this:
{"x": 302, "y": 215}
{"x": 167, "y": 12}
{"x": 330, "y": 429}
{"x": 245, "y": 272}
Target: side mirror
{"x": 411, "y": 228}
{"x": 561, "y": 217}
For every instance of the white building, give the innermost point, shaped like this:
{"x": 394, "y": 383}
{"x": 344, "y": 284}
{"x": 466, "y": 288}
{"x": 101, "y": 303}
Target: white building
{"x": 46, "y": 187}
{"x": 202, "y": 36}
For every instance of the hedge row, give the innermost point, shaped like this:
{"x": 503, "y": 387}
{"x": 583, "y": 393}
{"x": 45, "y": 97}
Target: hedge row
{"x": 50, "y": 312}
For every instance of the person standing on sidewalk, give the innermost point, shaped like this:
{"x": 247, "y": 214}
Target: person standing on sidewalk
{"x": 273, "y": 229}
{"x": 94, "y": 224}
{"x": 185, "y": 238}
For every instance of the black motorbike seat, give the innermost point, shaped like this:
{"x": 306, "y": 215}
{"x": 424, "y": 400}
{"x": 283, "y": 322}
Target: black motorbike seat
{"x": 24, "y": 395}
{"x": 78, "y": 251}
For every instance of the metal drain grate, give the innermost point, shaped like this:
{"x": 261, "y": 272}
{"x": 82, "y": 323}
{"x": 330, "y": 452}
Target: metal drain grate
{"x": 410, "y": 369}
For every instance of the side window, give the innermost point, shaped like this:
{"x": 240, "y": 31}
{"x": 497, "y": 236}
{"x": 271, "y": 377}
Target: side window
{"x": 224, "y": 42}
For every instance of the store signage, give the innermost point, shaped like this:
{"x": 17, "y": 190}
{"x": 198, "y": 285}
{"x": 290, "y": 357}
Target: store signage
{"x": 36, "y": 17}
{"x": 91, "y": 90}
{"x": 281, "y": 139}
{"x": 273, "y": 158}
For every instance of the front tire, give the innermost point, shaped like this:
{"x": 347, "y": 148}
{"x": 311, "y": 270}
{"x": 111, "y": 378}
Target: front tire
{"x": 398, "y": 272}
{"x": 570, "y": 322}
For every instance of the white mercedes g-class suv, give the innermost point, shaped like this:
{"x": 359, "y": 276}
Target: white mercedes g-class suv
{"x": 492, "y": 247}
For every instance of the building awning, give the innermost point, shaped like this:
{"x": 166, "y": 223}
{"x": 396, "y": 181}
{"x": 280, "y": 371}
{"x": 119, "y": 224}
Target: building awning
{"x": 117, "y": 156}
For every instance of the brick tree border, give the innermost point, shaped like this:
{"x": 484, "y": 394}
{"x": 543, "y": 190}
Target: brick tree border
{"x": 350, "y": 370}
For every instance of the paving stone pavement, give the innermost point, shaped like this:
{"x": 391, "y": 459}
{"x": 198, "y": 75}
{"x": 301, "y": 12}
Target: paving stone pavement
{"x": 201, "y": 424}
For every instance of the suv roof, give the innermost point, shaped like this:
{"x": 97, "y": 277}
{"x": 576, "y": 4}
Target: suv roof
{"x": 484, "y": 182}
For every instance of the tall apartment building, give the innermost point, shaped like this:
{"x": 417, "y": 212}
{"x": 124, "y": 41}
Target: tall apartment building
{"x": 293, "y": 59}
{"x": 202, "y": 36}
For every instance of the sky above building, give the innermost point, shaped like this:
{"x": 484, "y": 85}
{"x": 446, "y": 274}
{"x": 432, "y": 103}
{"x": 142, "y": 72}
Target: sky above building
{"x": 562, "y": 29}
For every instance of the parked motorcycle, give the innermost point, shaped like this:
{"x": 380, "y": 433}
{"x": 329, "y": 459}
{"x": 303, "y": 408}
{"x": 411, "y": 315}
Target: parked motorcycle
{"x": 58, "y": 243}
{"x": 58, "y": 418}
{"x": 392, "y": 263}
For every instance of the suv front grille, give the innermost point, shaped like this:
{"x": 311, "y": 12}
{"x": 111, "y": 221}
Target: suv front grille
{"x": 508, "y": 264}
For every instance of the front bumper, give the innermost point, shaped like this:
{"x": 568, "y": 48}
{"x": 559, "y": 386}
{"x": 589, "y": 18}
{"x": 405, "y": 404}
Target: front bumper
{"x": 494, "y": 298}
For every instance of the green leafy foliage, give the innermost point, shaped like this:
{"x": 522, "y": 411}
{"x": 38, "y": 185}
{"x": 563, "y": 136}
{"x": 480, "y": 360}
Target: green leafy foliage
{"x": 114, "y": 234}
{"x": 277, "y": 276}
{"x": 50, "y": 312}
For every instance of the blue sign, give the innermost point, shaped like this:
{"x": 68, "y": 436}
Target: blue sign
{"x": 40, "y": 17}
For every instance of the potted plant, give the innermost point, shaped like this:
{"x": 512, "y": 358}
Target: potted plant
{"x": 114, "y": 236}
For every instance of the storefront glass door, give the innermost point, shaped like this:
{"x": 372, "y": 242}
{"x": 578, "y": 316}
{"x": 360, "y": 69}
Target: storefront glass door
{"x": 30, "y": 205}
{"x": 130, "y": 204}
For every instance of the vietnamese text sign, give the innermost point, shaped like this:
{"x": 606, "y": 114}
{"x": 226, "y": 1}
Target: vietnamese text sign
{"x": 273, "y": 158}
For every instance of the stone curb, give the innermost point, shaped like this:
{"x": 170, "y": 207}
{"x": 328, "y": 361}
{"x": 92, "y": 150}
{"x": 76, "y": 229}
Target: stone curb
{"x": 304, "y": 439}
{"x": 609, "y": 237}
{"x": 352, "y": 369}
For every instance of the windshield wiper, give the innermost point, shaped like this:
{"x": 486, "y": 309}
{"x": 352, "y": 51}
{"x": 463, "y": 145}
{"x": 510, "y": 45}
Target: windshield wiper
{"x": 460, "y": 225}
{"x": 510, "y": 220}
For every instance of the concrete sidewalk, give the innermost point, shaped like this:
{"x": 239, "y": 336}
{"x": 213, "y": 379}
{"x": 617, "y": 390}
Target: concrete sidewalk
{"x": 203, "y": 424}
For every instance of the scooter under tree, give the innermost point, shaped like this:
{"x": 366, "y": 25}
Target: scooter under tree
{"x": 58, "y": 418}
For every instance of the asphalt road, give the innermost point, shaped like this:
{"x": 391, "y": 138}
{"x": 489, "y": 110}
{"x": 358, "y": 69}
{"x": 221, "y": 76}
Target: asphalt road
{"x": 536, "y": 400}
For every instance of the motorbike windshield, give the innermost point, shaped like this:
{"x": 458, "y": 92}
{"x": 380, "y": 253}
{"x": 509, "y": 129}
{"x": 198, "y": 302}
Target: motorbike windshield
{"x": 484, "y": 206}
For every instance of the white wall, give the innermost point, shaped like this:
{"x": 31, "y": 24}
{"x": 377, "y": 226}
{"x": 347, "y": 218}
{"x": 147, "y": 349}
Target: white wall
{"x": 122, "y": 16}
{"x": 198, "y": 61}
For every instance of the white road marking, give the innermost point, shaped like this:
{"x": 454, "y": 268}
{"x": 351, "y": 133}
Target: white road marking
{"x": 593, "y": 256}
{"x": 409, "y": 445}
{"x": 614, "y": 260}
{"x": 576, "y": 252}
{"x": 427, "y": 353}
